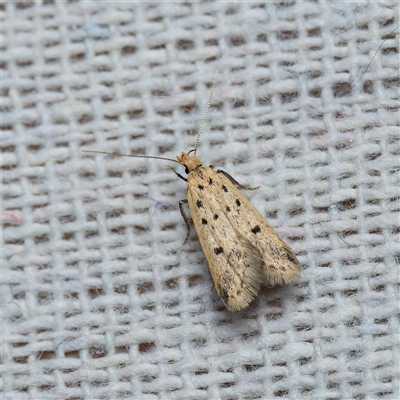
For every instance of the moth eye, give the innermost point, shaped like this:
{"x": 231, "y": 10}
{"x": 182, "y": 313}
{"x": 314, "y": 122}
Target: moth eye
{"x": 186, "y": 170}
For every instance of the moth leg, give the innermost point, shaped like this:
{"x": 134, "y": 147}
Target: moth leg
{"x": 211, "y": 166}
{"x": 178, "y": 175}
{"x": 185, "y": 217}
{"x": 235, "y": 182}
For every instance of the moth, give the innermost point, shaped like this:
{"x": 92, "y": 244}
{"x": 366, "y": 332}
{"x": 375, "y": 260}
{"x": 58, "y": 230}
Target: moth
{"x": 242, "y": 250}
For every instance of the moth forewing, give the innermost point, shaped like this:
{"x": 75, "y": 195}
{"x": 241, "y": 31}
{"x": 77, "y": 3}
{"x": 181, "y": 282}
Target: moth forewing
{"x": 242, "y": 250}
{"x": 280, "y": 263}
{"x": 234, "y": 262}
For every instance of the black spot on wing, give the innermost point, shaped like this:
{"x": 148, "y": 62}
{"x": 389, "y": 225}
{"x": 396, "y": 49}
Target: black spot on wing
{"x": 238, "y": 203}
{"x": 218, "y": 250}
{"x": 256, "y": 229}
{"x": 204, "y": 221}
{"x": 228, "y": 208}
{"x": 199, "y": 204}
{"x": 224, "y": 188}
{"x": 210, "y": 181}
{"x": 201, "y": 187}
{"x": 215, "y": 217}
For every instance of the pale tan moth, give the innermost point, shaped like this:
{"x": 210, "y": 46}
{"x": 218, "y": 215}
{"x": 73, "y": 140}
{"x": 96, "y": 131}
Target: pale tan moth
{"x": 242, "y": 250}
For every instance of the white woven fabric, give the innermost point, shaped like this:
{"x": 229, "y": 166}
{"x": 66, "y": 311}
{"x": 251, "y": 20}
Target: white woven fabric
{"x": 100, "y": 298}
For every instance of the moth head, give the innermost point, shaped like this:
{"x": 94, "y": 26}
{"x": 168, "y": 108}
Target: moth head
{"x": 190, "y": 162}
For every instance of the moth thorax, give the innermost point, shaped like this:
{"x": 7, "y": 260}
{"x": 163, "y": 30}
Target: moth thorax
{"x": 191, "y": 163}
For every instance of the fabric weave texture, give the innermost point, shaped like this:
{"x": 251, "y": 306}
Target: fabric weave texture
{"x": 100, "y": 299}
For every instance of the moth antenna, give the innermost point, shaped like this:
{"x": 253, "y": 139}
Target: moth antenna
{"x": 205, "y": 113}
{"x": 129, "y": 155}
{"x": 372, "y": 59}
